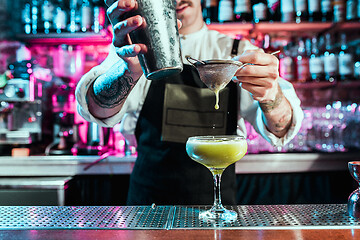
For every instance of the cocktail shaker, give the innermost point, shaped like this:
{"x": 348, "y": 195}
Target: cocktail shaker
{"x": 160, "y": 34}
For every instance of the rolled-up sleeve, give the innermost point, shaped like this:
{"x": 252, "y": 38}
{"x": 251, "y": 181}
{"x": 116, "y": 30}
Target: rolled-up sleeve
{"x": 133, "y": 102}
{"x": 251, "y": 111}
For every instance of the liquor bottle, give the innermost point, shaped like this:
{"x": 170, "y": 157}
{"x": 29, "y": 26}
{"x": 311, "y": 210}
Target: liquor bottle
{"x": 60, "y": 17}
{"x": 26, "y": 17}
{"x": 242, "y": 11}
{"x": 287, "y": 63}
{"x": 302, "y": 63}
{"x": 314, "y": 10}
{"x": 346, "y": 61}
{"x": 47, "y": 10}
{"x": 34, "y": 16}
{"x": 210, "y": 11}
{"x": 330, "y": 60}
{"x": 316, "y": 64}
{"x": 357, "y": 63}
{"x": 260, "y": 12}
{"x": 226, "y": 11}
{"x": 268, "y": 44}
{"x": 326, "y": 10}
{"x": 351, "y": 10}
{"x": 301, "y": 11}
{"x": 339, "y": 10}
{"x": 287, "y": 11}
{"x": 86, "y": 16}
{"x": 99, "y": 17}
{"x": 274, "y": 13}
{"x": 74, "y": 13}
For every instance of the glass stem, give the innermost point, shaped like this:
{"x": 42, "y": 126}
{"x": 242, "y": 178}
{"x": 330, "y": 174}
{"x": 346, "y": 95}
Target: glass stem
{"x": 217, "y": 194}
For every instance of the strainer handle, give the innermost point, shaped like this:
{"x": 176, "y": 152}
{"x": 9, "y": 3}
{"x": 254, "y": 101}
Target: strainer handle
{"x": 190, "y": 59}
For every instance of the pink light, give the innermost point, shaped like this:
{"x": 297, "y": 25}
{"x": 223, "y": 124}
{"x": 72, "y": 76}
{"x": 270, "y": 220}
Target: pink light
{"x": 31, "y": 119}
{"x": 74, "y": 151}
{"x": 39, "y": 86}
{"x": 32, "y": 87}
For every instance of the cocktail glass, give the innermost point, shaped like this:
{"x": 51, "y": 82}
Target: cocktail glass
{"x": 216, "y": 153}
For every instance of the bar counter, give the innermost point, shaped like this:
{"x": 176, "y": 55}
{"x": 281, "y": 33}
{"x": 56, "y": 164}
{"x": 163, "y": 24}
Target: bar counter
{"x": 119, "y": 164}
{"x": 321, "y": 221}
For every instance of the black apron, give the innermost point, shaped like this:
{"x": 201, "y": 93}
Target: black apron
{"x": 163, "y": 173}
{"x": 176, "y": 108}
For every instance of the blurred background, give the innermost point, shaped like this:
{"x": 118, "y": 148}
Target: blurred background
{"x": 47, "y": 45}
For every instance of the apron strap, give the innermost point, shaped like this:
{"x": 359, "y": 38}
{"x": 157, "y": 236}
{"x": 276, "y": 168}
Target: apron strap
{"x": 235, "y": 47}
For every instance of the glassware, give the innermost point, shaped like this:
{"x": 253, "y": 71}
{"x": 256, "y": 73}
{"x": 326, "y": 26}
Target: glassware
{"x": 216, "y": 153}
{"x": 353, "y": 205}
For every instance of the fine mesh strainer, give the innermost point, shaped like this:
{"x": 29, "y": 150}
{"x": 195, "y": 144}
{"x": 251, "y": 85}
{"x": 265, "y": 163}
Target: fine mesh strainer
{"x": 216, "y": 74}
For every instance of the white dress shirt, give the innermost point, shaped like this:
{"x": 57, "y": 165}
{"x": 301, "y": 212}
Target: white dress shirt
{"x": 204, "y": 44}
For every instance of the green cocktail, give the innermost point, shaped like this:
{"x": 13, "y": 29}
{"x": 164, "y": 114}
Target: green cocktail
{"x": 217, "y": 153}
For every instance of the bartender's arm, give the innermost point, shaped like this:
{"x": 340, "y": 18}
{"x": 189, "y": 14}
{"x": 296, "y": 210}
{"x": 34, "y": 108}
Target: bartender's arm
{"x": 261, "y": 80}
{"x": 109, "y": 91}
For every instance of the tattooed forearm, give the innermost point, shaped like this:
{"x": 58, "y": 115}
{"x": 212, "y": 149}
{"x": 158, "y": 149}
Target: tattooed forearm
{"x": 271, "y": 105}
{"x": 284, "y": 122}
{"x": 108, "y": 92}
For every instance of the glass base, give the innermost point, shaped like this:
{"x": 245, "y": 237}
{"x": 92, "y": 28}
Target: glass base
{"x": 218, "y": 214}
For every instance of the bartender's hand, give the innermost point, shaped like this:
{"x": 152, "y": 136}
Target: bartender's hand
{"x": 122, "y": 26}
{"x": 261, "y": 80}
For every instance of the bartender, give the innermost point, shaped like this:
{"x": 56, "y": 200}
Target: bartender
{"x": 163, "y": 173}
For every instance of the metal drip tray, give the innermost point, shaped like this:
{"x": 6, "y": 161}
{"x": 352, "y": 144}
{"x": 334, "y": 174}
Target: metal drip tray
{"x": 175, "y": 217}
{"x": 271, "y": 216}
{"x": 49, "y": 217}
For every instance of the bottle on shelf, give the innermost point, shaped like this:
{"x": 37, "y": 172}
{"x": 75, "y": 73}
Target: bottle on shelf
{"x": 242, "y": 11}
{"x": 287, "y": 11}
{"x": 351, "y": 10}
{"x": 60, "y": 17}
{"x": 339, "y": 10}
{"x": 47, "y": 11}
{"x": 260, "y": 12}
{"x": 210, "y": 11}
{"x": 314, "y": 10}
{"x": 34, "y": 16}
{"x": 330, "y": 60}
{"x": 226, "y": 11}
{"x": 287, "y": 63}
{"x": 316, "y": 64}
{"x": 326, "y": 10}
{"x": 268, "y": 44}
{"x": 274, "y": 14}
{"x": 302, "y": 63}
{"x": 357, "y": 63}
{"x": 99, "y": 17}
{"x": 26, "y": 17}
{"x": 74, "y": 12}
{"x": 86, "y": 16}
{"x": 301, "y": 14}
{"x": 346, "y": 61}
